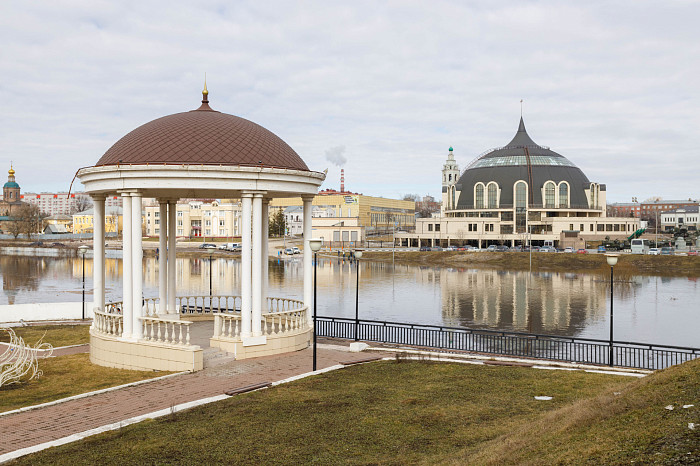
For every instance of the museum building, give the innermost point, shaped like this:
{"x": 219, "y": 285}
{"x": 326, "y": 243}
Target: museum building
{"x": 518, "y": 193}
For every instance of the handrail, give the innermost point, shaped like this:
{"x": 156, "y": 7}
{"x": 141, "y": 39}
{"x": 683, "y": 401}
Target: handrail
{"x": 553, "y": 347}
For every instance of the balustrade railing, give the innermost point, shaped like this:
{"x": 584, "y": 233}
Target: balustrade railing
{"x": 278, "y": 323}
{"x": 171, "y": 332}
{"x": 109, "y": 323}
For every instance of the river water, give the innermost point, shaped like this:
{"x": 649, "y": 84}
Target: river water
{"x": 657, "y": 310}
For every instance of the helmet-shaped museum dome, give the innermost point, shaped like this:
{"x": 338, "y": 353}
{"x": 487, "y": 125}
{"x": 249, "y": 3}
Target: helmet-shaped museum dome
{"x": 203, "y": 137}
{"x": 522, "y": 160}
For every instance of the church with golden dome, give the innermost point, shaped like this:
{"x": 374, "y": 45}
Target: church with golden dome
{"x": 11, "y": 197}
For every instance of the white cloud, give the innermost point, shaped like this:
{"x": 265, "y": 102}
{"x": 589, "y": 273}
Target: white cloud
{"x": 612, "y": 86}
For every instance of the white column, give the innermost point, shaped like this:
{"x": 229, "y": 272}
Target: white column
{"x": 308, "y": 257}
{"x": 172, "y": 237}
{"x": 257, "y": 264}
{"x": 98, "y": 250}
{"x": 127, "y": 298}
{"x": 265, "y": 250}
{"x": 163, "y": 257}
{"x": 137, "y": 263}
{"x": 246, "y": 285}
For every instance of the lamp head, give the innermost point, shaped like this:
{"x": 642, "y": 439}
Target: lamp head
{"x": 358, "y": 253}
{"x": 315, "y": 244}
{"x": 82, "y": 250}
{"x": 612, "y": 259}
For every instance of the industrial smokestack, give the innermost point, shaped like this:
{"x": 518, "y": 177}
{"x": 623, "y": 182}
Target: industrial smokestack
{"x": 342, "y": 180}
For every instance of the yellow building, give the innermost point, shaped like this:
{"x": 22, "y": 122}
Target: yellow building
{"x": 82, "y": 221}
{"x": 375, "y": 214}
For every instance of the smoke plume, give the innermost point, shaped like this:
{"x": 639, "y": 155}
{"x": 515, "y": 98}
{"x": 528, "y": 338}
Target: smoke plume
{"x": 335, "y": 156}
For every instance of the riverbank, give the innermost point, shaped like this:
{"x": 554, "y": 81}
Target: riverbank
{"x": 628, "y": 264}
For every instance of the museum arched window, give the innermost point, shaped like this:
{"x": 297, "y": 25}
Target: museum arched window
{"x": 520, "y": 202}
{"x": 493, "y": 195}
{"x": 479, "y": 197}
{"x": 563, "y": 194}
{"x": 549, "y": 194}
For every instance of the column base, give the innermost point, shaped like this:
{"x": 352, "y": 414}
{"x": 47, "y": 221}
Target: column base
{"x": 254, "y": 341}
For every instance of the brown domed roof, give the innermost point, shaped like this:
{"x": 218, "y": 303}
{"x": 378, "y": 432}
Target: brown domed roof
{"x": 203, "y": 137}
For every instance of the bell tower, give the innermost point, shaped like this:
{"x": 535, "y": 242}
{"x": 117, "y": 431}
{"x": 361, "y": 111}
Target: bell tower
{"x": 10, "y": 191}
{"x": 450, "y": 174}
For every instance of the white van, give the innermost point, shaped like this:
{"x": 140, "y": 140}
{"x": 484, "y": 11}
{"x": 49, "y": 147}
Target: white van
{"x": 233, "y": 246}
{"x": 640, "y": 246}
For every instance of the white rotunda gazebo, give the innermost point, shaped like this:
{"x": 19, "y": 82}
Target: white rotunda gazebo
{"x": 198, "y": 154}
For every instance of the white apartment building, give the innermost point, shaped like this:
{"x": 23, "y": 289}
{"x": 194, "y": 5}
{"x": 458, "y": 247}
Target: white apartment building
{"x": 62, "y": 203}
{"x": 684, "y": 217}
{"x": 196, "y": 218}
{"x": 294, "y": 217}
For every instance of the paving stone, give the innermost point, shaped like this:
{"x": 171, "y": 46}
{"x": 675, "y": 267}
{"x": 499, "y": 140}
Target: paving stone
{"x": 53, "y": 422}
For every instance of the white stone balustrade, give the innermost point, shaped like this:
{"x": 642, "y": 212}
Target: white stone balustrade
{"x": 227, "y": 325}
{"x": 279, "y": 323}
{"x": 109, "y": 323}
{"x": 166, "y": 331}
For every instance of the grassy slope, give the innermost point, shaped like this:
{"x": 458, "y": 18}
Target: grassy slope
{"x": 56, "y": 335}
{"x": 682, "y": 266}
{"x": 381, "y": 413}
{"x": 633, "y": 426}
{"x": 66, "y": 376}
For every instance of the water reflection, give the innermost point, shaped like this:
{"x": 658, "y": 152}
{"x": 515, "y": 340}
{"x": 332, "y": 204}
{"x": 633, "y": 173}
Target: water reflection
{"x": 652, "y": 309}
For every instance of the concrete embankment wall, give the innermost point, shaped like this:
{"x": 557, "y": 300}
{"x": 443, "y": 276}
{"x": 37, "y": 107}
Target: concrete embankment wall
{"x": 44, "y": 311}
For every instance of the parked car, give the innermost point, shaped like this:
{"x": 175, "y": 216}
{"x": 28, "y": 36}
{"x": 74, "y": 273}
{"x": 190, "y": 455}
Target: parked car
{"x": 654, "y": 251}
{"x": 569, "y": 249}
{"x": 436, "y": 248}
{"x": 581, "y": 251}
{"x": 516, "y": 248}
{"x": 289, "y": 251}
{"x": 222, "y": 247}
{"x": 491, "y": 248}
{"x": 692, "y": 253}
{"x": 666, "y": 251}
{"x": 207, "y": 246}
{"x": 601, "y": 249}
{"x": 425, "y": 248}
{"x": 547, "y": 249}
{"x": 296, "y": 250}
{"x": 233, "y": 246}
{"x": 502, "y": 248}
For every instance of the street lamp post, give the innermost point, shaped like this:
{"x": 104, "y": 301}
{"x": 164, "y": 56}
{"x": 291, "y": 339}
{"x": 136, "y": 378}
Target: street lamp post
{"x": 612, "y": 260}
{"x": 315, "y": 245}
{"x": 82, "y": 250}
{"x": 358, "y": 256}
{"x": 210, "y": 281}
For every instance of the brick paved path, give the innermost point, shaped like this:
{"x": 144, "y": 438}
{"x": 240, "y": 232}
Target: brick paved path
{"x": 30, "y": 428}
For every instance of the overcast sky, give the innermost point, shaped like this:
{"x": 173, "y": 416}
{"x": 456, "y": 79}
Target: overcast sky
{"x": 388, "y": 86}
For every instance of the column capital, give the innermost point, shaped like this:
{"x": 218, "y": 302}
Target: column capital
{"x": 308, "y": 197}
{"x": 129, "y": 192}
{"x": 253, "y": 193}
{"x": 98, "y": 197}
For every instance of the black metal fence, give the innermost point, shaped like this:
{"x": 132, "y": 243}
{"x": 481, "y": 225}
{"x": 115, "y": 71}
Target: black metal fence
{"x": 528, "y": 345}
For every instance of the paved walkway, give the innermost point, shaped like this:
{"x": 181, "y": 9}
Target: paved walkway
{"x": 41, "y": 425}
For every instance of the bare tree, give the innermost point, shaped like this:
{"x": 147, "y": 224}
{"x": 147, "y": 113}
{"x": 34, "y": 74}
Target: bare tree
{"x": 81, "y": 204}
{"x": 28, "y": 219}
{"x": 411, "y": 197}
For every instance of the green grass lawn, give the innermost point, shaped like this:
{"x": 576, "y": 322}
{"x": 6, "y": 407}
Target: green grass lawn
{"x": 56, "y": 335}
{"x": 66, "y": 376}
{"x": 379, "y": 413}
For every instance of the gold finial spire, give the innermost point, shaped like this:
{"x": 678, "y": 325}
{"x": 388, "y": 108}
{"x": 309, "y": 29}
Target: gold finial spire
{"x": 11, "y": 172}
{"x": 205, "y": 91}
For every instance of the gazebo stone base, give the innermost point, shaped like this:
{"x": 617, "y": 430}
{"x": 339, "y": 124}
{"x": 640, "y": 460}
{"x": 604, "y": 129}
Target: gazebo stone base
{"x": 111, "y": 351}
{"x": 274, "y": 344}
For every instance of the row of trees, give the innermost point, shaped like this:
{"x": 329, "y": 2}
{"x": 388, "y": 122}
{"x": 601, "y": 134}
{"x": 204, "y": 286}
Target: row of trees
{"x": 28, "y": 220}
